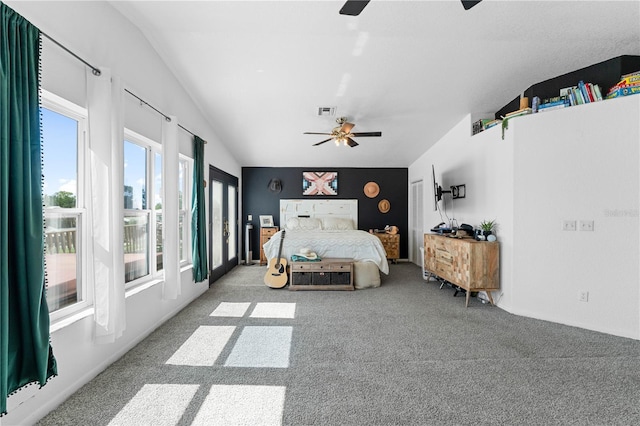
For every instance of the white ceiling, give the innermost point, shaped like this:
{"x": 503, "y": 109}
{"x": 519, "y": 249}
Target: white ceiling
{"x": 411, "y": 69}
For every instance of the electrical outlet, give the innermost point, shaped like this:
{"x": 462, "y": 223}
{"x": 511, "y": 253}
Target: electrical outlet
{"x": 250, "y": 217}
{"x": 583, "y": 296}
{"x": 568, "y": 225}
{"x": 586, "y": 225}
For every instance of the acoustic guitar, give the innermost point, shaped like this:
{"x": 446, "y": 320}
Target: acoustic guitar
{"x": 276, "y": 276}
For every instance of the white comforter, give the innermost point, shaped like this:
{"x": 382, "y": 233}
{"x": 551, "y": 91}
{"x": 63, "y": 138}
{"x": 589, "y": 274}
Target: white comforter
{"x": 357, "y": 245}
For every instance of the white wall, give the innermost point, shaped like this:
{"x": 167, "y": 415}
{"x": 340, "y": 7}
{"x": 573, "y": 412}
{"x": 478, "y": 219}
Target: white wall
{"x": 484, "y": 164}
{"x": 581, "y": 163}
{"x": 99, "y": 34}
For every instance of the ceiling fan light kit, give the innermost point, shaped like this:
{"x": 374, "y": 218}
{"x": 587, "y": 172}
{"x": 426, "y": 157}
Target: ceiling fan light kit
{"x": 342, "y": 134}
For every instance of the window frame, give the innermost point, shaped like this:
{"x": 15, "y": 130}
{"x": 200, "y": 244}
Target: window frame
{"x": 185, "y": 255}
{"x": 59, "y": 105}
{"x": 151, "y": 148}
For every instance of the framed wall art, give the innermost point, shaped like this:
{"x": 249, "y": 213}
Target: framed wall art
{"x": 319, "y": 183}
{"x": 266, "y": 221}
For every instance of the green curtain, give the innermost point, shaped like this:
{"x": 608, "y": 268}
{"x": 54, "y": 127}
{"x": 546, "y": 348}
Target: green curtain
{"x": 198, "y": 218}
{"x": 25, "y": 353}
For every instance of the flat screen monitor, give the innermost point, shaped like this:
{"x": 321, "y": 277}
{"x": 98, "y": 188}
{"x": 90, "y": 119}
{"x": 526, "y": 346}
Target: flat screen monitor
{"x": 437, "y": 189}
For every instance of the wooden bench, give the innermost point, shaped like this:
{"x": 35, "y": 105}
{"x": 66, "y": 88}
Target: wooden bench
{"x": 327, "y": 274}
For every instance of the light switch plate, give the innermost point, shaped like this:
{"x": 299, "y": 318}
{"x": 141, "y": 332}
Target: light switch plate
{"x": 585, "y": 225}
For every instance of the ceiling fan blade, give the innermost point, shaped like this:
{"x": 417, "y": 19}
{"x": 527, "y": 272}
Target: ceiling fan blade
{"x": 321, "y": 142}
{"x": 313, "y": 133}
{"x": 468, "y": 4}
{"x": 352, "y": 143}
{"x": 346, "y": 127}
{"x": 353, "y": 7}
{"x": 359, "y": 134}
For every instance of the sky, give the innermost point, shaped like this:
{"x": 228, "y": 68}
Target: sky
{"x": 60, "y": 160}
{"x": 59, "y": 152}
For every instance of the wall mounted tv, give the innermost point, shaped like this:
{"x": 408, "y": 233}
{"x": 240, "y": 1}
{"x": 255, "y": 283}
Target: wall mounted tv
{"x": 437, "y": 189}
{"x": 456, "y": 191}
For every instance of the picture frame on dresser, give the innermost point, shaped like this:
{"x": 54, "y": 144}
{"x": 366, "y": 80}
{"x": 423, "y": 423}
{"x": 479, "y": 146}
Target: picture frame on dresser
{"x": 266, "y": 221}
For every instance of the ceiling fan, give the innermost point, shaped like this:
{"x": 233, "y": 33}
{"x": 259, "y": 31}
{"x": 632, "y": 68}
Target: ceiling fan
{"x": 342, "y": 134}
{"x": 354, "y": 7}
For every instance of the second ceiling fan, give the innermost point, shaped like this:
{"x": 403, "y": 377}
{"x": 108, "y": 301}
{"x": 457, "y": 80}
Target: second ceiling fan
{"x": 354, "y": 7}
{"x": 342, "y": 134}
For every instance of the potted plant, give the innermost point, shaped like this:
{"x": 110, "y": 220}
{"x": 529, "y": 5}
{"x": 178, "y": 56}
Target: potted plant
{"x": 487, "y": 227}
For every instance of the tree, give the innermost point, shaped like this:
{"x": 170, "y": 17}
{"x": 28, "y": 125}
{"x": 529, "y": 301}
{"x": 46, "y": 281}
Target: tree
{"x": 64, "y": 199}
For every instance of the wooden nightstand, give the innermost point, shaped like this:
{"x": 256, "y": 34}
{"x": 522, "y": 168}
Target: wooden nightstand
{"x": 391, "y": 244}
{"x": 265, "y": 235}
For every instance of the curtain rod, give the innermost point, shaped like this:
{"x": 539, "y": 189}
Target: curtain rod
{"x": 96, "y": 71}
{"x": 166, "y": 117}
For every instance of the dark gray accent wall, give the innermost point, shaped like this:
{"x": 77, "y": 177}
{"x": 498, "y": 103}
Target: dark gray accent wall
{"x": 258, "y": 200}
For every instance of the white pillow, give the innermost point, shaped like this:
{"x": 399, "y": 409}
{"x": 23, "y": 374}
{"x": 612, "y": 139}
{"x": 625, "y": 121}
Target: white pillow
{"x": 303, "y": 224}
{"x": 337, "y": 224}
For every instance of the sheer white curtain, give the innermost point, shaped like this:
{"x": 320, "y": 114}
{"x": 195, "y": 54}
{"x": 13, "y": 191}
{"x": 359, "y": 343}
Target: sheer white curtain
{"x": 105, "y": 206}
{"x": 170, "y": 223}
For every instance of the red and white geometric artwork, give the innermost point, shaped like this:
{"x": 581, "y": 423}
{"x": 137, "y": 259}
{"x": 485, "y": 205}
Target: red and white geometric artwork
{"x": 319, "y": 183}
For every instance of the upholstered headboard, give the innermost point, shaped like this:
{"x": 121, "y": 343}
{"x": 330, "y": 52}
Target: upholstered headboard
{"x": 320, "y": 209}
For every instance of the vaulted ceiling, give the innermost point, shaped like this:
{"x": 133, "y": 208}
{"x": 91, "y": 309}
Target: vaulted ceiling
{"x": 259, "y": 70}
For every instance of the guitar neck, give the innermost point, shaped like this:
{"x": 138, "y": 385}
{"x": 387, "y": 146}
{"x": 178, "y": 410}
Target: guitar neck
{"x": 280, "y": 248}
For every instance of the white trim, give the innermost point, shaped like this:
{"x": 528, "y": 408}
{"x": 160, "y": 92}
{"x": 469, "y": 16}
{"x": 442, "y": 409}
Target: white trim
{"x": 59, "y": 105}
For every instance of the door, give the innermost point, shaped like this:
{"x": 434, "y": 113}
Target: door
{"x": 223, "y": 223}
{"x": 416, "y": 223}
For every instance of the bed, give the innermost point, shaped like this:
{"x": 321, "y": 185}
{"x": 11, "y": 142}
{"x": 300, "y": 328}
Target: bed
{"x": 330, "y": 229}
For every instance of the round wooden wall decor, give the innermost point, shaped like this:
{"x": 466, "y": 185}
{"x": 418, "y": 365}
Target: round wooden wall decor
{"x": 384, "y": 206}
{"x": 371, "y": 189}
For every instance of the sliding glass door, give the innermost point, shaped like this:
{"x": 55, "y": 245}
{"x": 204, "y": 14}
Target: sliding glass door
{"x": 223, "y": 223}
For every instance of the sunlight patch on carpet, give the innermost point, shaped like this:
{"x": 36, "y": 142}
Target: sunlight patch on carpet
{"x": 261, "y": 347}
{"x": 274, "y": 310}
{"x": 158, "y": 405}
{"x": 203, "y": 347}
{"x": 242, "y": 405}
{"x": 229, "y": 309}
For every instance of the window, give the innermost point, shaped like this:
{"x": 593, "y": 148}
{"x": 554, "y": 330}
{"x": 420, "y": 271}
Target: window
{"x": 63, "y": 130}
{"x": 157, "y": 205}
{"x": 142, "y": 208}
{"x": 184, "y": 208}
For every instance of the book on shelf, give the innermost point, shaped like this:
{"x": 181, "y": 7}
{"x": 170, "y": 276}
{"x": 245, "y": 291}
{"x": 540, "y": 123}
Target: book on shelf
{"x": 629, "y": 84}
{"x": 585, "y": 92}
{"x": 623, "y": 86}
{"x": 479, "y": 125}
{"x": 522, "y": 111}
{"x": 562, "y": 101}
{"x": 554, "y": 103}
{"x": 569, "y": 93}
{"x": 597, "y": 92}
{"x": 492, "y": 123}
{"x": 623, "y": 91}
{"x": 535, "y": 101}
{"x": 553, "y": 107}
{"x": 578, "y": 95}
{"x": 631, "y": 78}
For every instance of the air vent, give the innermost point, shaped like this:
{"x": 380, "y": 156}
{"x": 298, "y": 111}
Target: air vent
{"x": 326, "y": 111}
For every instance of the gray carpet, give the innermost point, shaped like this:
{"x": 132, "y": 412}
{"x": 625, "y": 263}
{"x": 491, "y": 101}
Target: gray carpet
{"x": 406, "y": 353}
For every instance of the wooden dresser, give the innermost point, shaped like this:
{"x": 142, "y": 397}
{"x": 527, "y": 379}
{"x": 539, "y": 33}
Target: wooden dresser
{"x": 265, "y": 235}
{"x": 391, "y": 244}
{"x": 469, "y": 264}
